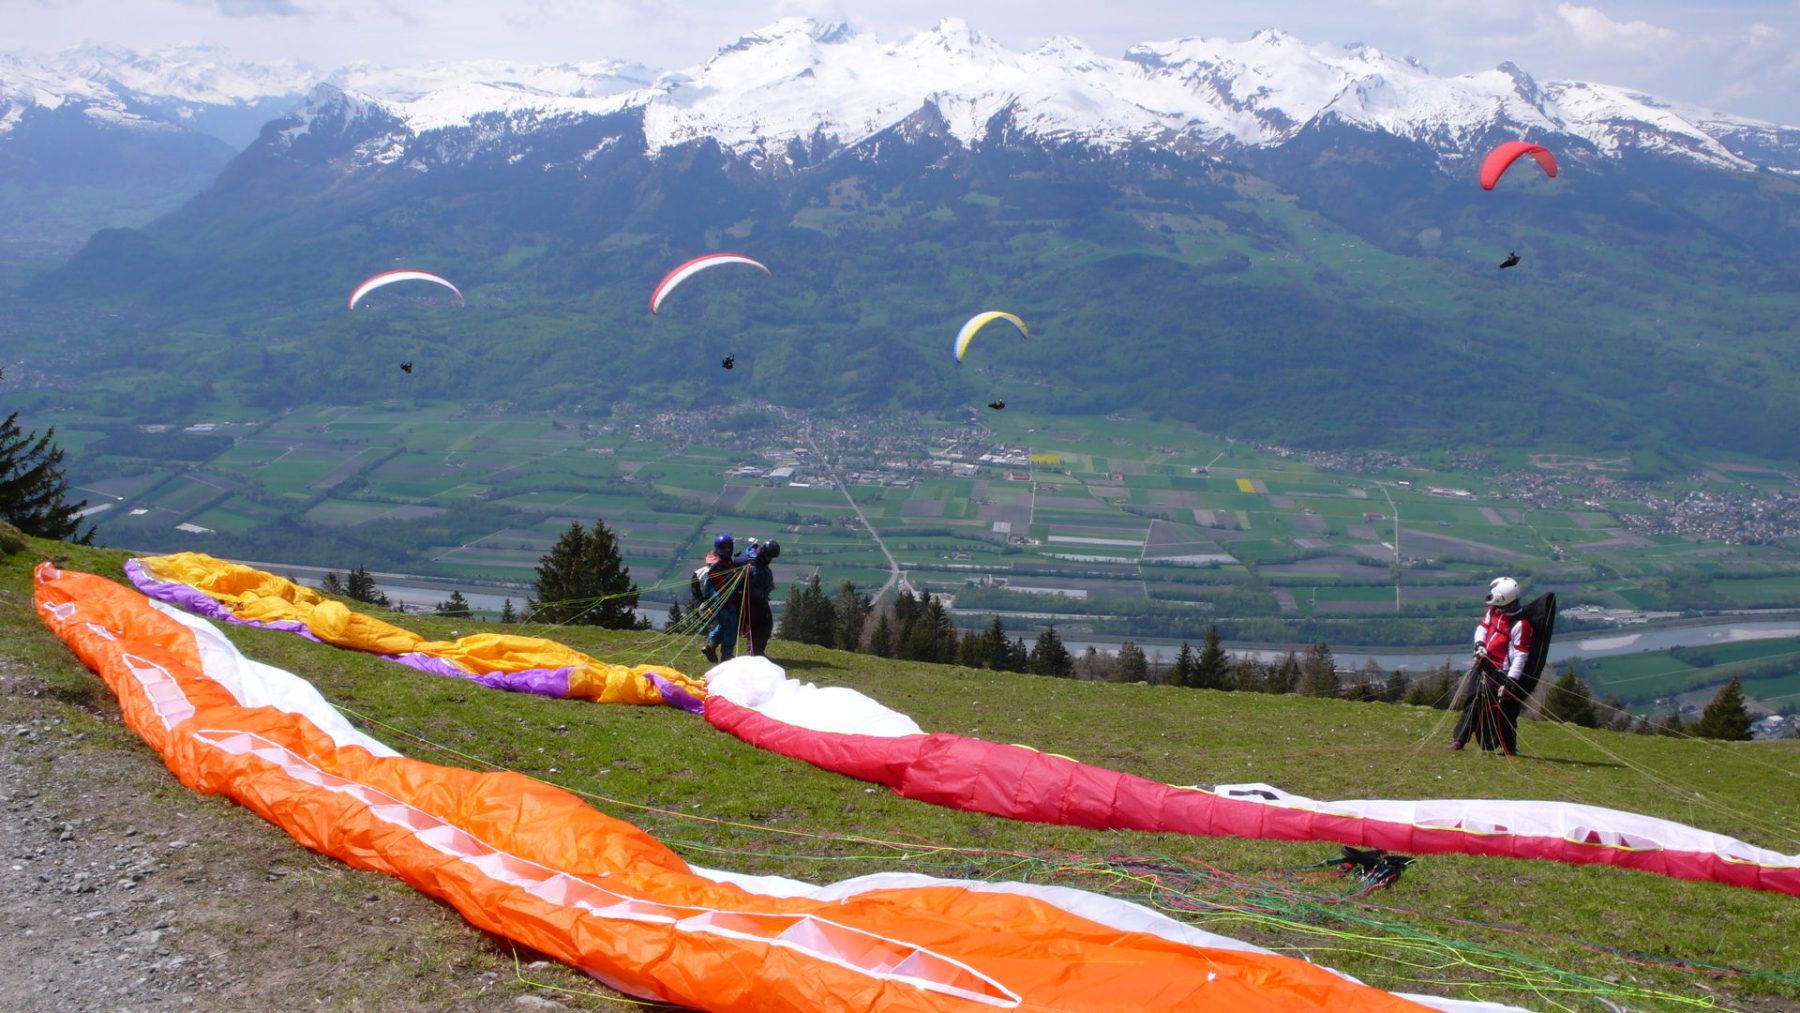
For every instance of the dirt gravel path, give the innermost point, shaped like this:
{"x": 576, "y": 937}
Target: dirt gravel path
{"x": 120, "y": 889}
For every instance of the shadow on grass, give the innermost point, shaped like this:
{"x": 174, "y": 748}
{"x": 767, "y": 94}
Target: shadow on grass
{"x": 1562, "y": 761}
{"x": 802, "y": 664}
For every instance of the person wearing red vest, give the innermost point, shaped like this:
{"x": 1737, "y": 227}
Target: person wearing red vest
{"x": 1502, "y": 644}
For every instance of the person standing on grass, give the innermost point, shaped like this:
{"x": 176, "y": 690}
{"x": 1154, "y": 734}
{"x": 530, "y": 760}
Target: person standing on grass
{"x": 722, "y": 581}
{"x": 1503, "y": 643}
{"x": 759, "y": 586}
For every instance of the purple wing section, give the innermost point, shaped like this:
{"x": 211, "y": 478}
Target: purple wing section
{"x": 202, "y": 604}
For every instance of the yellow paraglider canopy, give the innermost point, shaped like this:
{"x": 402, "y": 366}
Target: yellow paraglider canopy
{"x": 980, "y": 320}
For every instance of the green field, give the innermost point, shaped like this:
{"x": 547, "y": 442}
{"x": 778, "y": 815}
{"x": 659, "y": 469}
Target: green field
{"x": 1137, "y": 511}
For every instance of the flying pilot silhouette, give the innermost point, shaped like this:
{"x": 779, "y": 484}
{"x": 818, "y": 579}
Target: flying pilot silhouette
{"x": 1511, "y": 259}
{"x": 406, "y": 367}
{"x": 997, "y": 405}
{"x": 729, "y": 361}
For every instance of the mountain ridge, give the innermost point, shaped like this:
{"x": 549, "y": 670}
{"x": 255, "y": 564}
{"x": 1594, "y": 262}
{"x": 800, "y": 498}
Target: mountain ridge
{"x": 1334, "y": 286}
{"x": 798, "y": 77}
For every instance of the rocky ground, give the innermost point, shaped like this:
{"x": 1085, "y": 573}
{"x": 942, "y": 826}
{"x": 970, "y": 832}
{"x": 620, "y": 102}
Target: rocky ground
{"x": 120, "y": 889}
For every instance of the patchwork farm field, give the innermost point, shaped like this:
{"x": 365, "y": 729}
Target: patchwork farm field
{"x": 1044, "y": 520}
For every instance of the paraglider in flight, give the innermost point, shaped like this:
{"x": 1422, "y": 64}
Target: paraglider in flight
{"x": 390, "y": 277}
{"x": 729, "y": 361}
{"x": 406, "y": 367}
{"x": 1502, "y": 157}
{"x": 1511, "y": 259}
{"x": 693, "y": 267}
{"x": 997, "y": 405}
{"x": 980, "y": 320}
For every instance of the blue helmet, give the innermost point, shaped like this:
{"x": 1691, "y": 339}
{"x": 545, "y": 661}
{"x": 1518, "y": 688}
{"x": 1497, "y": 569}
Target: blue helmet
{"x": 722, "y": 544}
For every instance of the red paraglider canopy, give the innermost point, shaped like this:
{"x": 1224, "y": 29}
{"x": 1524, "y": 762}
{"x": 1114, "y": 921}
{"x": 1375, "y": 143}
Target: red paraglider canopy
{"x": 1503, "y": 157}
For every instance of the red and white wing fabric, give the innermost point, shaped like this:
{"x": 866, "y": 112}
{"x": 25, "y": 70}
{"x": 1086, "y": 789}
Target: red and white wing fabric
{"x": 1503, "y": 156}
{"x": 753, "y": 700}
{"x": 390, "y": 277}
{"x": 533, "y": 863}
{"x": 839, "y": 729}
{"x": 682, "y": 273}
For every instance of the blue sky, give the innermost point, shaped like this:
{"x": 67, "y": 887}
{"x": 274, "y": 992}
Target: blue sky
{"x": 1740, "y": 56}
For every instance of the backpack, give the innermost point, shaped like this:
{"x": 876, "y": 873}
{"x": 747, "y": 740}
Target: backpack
{"x": 1541, "y": 614}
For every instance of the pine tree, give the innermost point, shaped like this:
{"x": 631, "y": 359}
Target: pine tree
{"x": 849, "y": 609}
{"x": 561, "y": 585}
{"x": 1213, "y": 669}
{"x": 1318, "y": 674}
{"x": 33, "y": 488}
{"x": 996, "y": 650}
{"x": 618, "y": 595}
{"x": 1434, "y": 689}
{"x": 1368, "y": 685}
{"x": 881, "y": 641}
{"x": 1186, "y": 670}
{"x": 674, "y": 620}
{"x": 455, "y": 606}
{"x": 361, "y": 587}
{"x": 1669, "y": 724}
{"x": 1570, "y": 701}
{"x": 333, "y": 584}
{"x": 906, "y": 611}
{"x": 1399, "y": 684}
{"x": 818, "y": 618}
{"x": 1726, "y": 717}
{"x": 583, "y": 579}
{"x": 1018, "y": 656}
{"x": 1049, "y": 656}
{"x": 919, "y": 644}
{"x": 1284, "y": 677}
{"x": 1246, "y": 675}
{"x": 968, "y": 649}
{"x": 932, "y": 635}
{"x": 1131, "y": 665}
{"x": 793, "y": 615}
{"x": 507, "y": 614}
{"x": 943, "y": 626}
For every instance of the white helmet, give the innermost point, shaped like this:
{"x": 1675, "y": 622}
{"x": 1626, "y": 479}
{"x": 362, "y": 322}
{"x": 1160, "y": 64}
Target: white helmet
{"x": 1502, "y": 591}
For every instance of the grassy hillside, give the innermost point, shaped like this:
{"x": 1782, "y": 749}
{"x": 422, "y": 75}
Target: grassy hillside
{"x": 1535, "y": 933}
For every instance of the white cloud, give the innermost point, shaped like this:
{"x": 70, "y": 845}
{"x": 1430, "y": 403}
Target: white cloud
{"x": 822, "y": 10}
{"x": 1592, "y": 29}
{"x": 247, "y": 8}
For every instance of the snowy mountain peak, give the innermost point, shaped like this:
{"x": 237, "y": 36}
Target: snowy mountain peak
{"x": 957, "y": 34}
{"x": 790, "y": 29}
{"x": 823, "y": 86}
{"x": 202, "y": 74}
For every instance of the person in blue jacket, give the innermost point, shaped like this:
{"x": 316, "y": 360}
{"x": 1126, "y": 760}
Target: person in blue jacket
{"x": 722, "y": 586}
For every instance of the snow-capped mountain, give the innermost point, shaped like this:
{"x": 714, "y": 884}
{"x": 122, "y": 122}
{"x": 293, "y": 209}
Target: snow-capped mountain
{"x": 199, "y": 88}
{"x": 799, "y": 85}
{"x": 195, "y": 75}
{"x": 1293, "y": 211}
{"x": 95, "y": 137}
{"x": 26, "y": 86}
